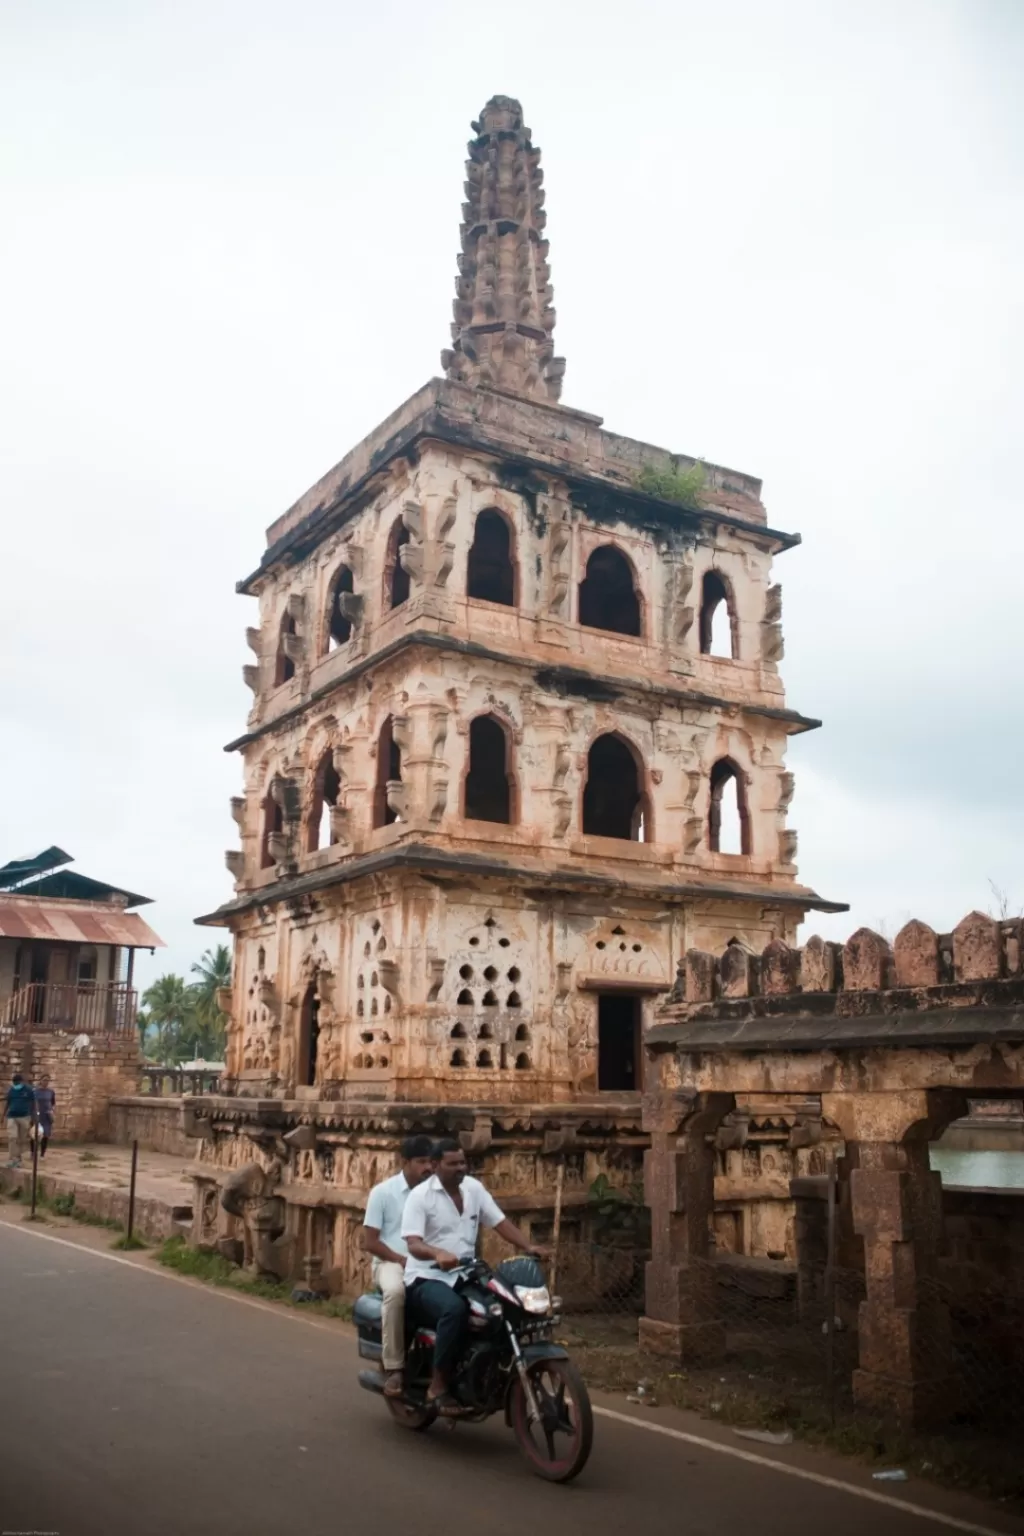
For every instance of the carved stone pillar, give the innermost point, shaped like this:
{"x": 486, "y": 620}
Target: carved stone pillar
{"x": 679, "y": 1178}
{"x": 905, "y": 1358}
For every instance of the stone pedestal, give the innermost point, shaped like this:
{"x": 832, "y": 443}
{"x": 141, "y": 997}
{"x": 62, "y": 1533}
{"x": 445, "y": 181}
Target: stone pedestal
{"x": 679, "y": 1170}
{"x": 905, "y": 1356}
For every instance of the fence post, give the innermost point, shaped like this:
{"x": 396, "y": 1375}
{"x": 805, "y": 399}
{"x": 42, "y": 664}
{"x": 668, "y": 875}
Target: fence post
{"x": 830, "y": 1295}
{"x": 557, "y": 1224}
{"x": 35, "y": 1157}
{"x": 131, "y": 1190}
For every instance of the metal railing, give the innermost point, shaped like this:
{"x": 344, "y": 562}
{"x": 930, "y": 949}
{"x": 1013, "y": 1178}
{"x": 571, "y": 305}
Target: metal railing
{"x": 171, "y": 1082}
{"x": 82, "y": 1008}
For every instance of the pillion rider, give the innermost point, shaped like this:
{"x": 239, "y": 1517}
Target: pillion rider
{"x": 440, "y": 1225}
{"x": 382, "y": 1237}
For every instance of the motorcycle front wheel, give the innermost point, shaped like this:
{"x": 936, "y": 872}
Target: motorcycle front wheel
{"x": 408, "y": 1415}
{"x": 558, "y": 1445}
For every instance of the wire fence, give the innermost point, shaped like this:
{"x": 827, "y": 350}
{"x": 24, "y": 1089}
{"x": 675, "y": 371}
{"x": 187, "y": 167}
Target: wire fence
{"x": 779, "y": 1347}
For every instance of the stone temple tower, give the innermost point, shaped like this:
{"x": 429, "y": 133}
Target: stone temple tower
{"x": 515, "y": 685}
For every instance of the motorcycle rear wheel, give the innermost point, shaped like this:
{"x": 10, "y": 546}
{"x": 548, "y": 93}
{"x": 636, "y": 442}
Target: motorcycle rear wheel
{"x": 558, "y": 1447}
{"x": 408, "y": 1415}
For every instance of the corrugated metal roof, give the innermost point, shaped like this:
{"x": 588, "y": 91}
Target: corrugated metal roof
{"x": 73, "y": 922}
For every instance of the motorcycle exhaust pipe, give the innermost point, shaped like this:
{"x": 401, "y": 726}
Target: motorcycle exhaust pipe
{"x": 373, "y": 1381}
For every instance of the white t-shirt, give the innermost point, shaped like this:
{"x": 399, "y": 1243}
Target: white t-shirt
{"x": 431, "y": 1213}
{"x": 384, "y": 1211}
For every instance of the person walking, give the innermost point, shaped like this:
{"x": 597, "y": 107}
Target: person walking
{"x": 46, "y": 1104}
{"x": 19, "y": 1111}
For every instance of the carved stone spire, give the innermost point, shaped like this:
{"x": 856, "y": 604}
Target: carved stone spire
{"x": 504, "y": 320}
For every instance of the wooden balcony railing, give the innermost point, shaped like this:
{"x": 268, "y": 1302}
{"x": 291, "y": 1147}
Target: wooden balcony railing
{"x": 82, "y": 1008}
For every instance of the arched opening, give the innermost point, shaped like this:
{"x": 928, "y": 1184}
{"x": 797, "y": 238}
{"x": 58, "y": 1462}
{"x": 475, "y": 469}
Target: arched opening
{"x": 491, "y": 573}
{"x": 339, "y": 629}
{"x": 309, "y": 1037}
{"x": 389, "y": 769}
{"x": 613, "y": 797}
{"x": 490, "y": 783}
{"x": 326, "y": 789}
{"x": 272, "y": 821}
{"x": 717, "y": 619}
{"x": 728, "y": 821}
{"x": 608, "y": 597}
{"x": 284, "y": 667}
{"x": 396, "y": 577}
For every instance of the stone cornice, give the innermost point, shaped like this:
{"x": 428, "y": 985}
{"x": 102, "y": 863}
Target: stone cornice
{"x": 556, "y": 676}
{"x": 442, "y": 862}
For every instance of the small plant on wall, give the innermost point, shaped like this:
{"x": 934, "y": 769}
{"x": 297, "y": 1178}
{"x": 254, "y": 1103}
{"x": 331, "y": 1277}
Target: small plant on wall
{"x": 685, "y": 486}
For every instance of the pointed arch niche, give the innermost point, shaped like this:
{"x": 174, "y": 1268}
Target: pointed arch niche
{"x": 489, "y": 789}
{"x": 337, "y": 628}
{"x": 389, "y": 769}
{"x": 324, "y": 797}
{"x": 728, "y": 815}
{"x": 608, "y": 595}
{"x": 491, "y": 571}
{"x": 615, "y": 802}
{"x": 396, "y": 578}
{"x": 718, "y": 626}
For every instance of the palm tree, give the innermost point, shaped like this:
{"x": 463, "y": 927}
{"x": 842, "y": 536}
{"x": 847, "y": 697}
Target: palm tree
{"x": 214, "y": 972}
{"x": 170, "y": 1008}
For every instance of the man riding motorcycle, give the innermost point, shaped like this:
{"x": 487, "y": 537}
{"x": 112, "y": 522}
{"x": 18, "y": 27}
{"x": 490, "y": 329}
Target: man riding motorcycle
{"x": 382, "y": 1237}
{"x": 440, "y": 1226}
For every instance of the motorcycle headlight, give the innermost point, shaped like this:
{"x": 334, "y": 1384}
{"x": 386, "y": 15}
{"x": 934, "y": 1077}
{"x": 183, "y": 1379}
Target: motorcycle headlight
{"x": 533, "y": 1298}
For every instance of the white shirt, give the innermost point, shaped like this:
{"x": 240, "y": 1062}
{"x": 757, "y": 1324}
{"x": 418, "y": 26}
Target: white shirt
{"x": 431, "y": 1213}
{"x": 384, "y": 1211}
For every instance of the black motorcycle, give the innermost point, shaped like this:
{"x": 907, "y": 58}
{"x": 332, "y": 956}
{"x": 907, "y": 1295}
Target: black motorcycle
{"x": 510, "y": 1363}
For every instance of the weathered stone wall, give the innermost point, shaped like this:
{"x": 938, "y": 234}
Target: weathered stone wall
{"x": 330, "y": 1157}
{"x": 156, "y": 1123}
{"x": 85, "y": 1079}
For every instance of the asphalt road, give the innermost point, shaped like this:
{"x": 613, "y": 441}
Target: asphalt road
{"x": 131, "y": 1402}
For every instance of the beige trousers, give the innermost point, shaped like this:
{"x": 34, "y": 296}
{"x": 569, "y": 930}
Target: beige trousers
{"x": 17, "y": 1136}
{"x": 391, "y": 1279}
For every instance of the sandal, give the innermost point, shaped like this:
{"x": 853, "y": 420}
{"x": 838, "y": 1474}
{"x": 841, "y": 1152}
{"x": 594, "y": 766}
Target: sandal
{"x": 446, "y": 1405}
{"x": 394, "y": 1384}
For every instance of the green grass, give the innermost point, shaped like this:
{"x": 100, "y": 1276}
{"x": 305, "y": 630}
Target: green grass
{"x": 129, "y": 1244}
{"x": 214, "y": 1270}
{"x": 87, "y": 1157}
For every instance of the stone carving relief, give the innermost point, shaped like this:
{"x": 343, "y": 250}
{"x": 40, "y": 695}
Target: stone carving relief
{"x": 376, "y": 996}
{"x": 559, "y": 570}
{"x": 679, "y": 611}
{"x": 488, "y": 995}
{"x": 250, "y": 1194}
{"x": 261, "y": 1038}
{"x": 772, "y": 645}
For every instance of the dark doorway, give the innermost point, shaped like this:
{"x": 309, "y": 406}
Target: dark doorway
{"x": 389, "y": 767}
{"x": 488, "y": 782}
{"x": 619, "y": 1067}
{"x": 309, "y": 1037}
{"x": 613, "y": 802}
{"x": 273, "y": 821}
{"x": 339, "y": 629}
{"x": 608, "y": 598}
{"x": 284, "y": 667}
{"x": 396, "y": 577}
{"x": 491, "y": 575}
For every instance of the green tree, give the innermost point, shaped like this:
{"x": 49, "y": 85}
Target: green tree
{"x": 170, "y": 1010}
{"x": 209, "y": 1021}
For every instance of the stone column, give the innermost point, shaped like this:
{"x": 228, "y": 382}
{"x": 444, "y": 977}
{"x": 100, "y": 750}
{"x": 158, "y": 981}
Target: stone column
{"x": 679, "y": 1175}
{"x": 905, "y": 1361}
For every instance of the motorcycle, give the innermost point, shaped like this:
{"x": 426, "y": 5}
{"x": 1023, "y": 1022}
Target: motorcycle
{"x": 509, "y": 1364}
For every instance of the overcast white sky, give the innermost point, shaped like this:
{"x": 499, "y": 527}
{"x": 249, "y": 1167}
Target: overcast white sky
{"x": 785, "y": 236}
